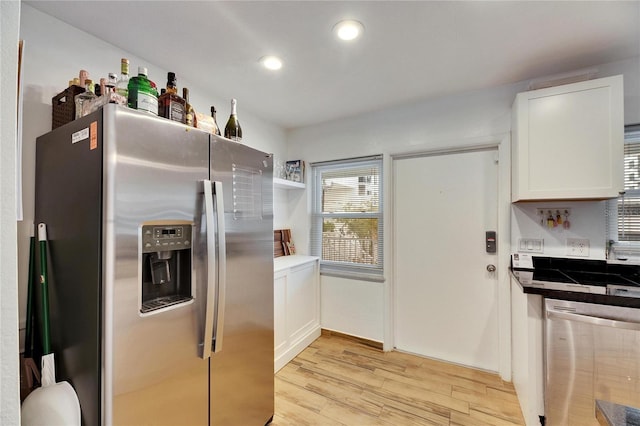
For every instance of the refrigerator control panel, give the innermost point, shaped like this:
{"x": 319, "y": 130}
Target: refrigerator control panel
{"x": 166, "y": 237}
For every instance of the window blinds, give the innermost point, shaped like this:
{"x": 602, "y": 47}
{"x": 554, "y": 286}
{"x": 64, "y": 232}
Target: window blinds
{"x": 347, "y": 219}
{"x": 624, "y": 212}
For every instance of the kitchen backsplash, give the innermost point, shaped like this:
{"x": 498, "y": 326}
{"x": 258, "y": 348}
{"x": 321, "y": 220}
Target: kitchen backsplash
{"x": 559, "y": 229}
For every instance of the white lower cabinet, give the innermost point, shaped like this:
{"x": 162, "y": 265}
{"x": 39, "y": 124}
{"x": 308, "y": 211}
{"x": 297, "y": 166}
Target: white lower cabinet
{"x": 296, "y": 306}
{"x": 527, "y": 329}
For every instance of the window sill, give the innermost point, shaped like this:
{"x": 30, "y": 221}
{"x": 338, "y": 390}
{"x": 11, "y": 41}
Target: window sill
{"x": 359, "y": 276}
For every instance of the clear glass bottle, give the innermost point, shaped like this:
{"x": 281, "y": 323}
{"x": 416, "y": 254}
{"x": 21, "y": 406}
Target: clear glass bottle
{"x": 83, "y": 97}
{"x": 215, "y": 121}
{"x": 233, "y": 130}
{"x": 189, "y": 112}
{"x": 122, "y": 86}
{"x": 170, "y": 104}
{"x": 142, "y": 95}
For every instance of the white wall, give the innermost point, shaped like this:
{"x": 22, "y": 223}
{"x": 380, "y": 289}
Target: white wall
{"x": 452, "y": 121}
{"x": 54, "y": 54}
{"x": 9, "y": 369}
{"x": 587, "y": 221}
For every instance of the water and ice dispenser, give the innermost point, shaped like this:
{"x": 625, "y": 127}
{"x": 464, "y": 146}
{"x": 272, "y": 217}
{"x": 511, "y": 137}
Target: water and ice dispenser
{"x": 166, "y": 262}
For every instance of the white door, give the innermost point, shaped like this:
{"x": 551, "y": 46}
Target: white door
{"x": 446, "y": 301}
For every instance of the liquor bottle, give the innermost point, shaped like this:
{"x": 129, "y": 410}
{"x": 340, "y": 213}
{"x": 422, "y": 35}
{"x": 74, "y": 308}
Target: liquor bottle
{"x": 83, "y": 97}
{"x": 170, "y": 105}
{"x": 112, "y": 80}
{"x": 83, "y": 75}
{"x": 97, "y": 89}
{"x": 142, "y": 95}
{"x": 103, "y": 87}
{"x": 215, "y": 122}
{"x": 233, "y": 130}
{"x": 122, "y": 86}
{"x": 189, "y": 113}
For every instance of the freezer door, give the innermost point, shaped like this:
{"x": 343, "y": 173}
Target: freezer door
{"x": 154, "y": 171}
{"x": 242, "y": 360}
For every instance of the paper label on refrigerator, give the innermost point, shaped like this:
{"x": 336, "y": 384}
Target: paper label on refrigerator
{"x": 93, "y": 144}
{"x": 522, "y": 260}
{"x": 80, "y": 135}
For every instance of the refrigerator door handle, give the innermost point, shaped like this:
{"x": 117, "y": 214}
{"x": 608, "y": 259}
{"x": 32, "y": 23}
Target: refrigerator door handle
{"x": 211, "y": 271}
{"x": 222, "y": 266}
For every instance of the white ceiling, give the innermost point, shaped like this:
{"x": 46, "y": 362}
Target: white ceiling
{"x": 409, "y": 51}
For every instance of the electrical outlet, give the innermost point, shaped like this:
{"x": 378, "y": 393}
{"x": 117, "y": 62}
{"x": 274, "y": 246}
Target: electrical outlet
{"x": 577, "y": 247}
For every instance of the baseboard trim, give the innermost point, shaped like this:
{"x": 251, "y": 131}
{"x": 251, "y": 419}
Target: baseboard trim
{"x": 372, "y": 343}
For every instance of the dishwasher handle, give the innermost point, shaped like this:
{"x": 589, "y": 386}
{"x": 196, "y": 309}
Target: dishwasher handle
{"x": 588, "y": 319}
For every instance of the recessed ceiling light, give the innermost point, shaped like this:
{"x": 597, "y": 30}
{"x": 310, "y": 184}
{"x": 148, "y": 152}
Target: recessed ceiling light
{"x": 348, "y": 29}
{"x": 271, "y": 62}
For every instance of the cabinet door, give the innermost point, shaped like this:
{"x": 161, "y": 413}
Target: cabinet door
{"x": 280, "y": 312}
{"x": 302, "y": 301}
{"x": 568, "y": 141}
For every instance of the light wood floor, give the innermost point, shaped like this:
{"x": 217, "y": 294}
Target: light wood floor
{"x": 338, "y": 381}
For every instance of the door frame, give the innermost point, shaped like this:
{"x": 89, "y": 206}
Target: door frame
{"x": 502, "y": 144}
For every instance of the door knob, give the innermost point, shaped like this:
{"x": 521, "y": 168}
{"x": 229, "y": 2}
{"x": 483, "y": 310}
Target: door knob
{"x": 491, "y": 268}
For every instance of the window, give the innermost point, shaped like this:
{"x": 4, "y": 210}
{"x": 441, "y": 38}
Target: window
{"x": 346, "y": 232}
{"x": 624, "y": 212}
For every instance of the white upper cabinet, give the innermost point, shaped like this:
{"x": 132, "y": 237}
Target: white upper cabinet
{"x": 567, "y": 142}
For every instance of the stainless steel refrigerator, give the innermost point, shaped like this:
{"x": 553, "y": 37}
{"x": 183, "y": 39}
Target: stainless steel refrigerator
{"x": 161, "y": 270}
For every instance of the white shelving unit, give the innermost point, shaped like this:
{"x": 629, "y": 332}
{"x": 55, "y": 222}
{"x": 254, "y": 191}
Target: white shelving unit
{"x": 287, "y": 184}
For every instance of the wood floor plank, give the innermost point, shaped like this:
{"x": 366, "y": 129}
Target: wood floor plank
{"x": 396, "y": 416}
{"x": 500, "y": 408}
{"x": 427, "y": 412}
{"x": 416, "y": 394}
{"x": 337, "y": 381}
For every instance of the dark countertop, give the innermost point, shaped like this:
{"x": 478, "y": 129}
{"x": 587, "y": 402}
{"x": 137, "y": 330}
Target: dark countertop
{"x": 633, "y": 272}
{"x": 610, "y": 414}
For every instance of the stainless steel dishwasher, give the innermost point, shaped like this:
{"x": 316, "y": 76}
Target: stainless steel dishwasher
{"x": 592, "y": 352}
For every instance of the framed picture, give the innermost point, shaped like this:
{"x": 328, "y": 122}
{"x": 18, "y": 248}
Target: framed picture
{"x": 294, "y": 170}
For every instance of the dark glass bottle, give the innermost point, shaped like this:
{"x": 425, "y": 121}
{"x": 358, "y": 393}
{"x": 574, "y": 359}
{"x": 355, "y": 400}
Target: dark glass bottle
{"x": 215, "y": 122}
{"x": 233, "y": 130}
{"x": 170, "y": 104}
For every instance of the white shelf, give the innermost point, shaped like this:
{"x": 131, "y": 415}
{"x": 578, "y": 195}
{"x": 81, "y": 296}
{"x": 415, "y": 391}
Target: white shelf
{"x": 287, "y": 184}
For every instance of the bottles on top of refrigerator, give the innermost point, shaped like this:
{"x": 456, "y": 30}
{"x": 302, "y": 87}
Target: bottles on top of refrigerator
{"x": 215, "y": 122}
{"x": 142, "y": 93}
{"x": 83, "y": 75}
{"x": 102, "y": 86}
{"x": 82, "y": 98}
{"x": 122, "y": 85}
{"x": 233, "y": 130}
{"x": 189, "y": 112}
{"x": 170, "y": 104}
{"x": 112, "y": 80}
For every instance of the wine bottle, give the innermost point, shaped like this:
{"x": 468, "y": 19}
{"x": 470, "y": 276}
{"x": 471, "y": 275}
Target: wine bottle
{"x": 215, "y": 121}
{"x": 233, "y": 130}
